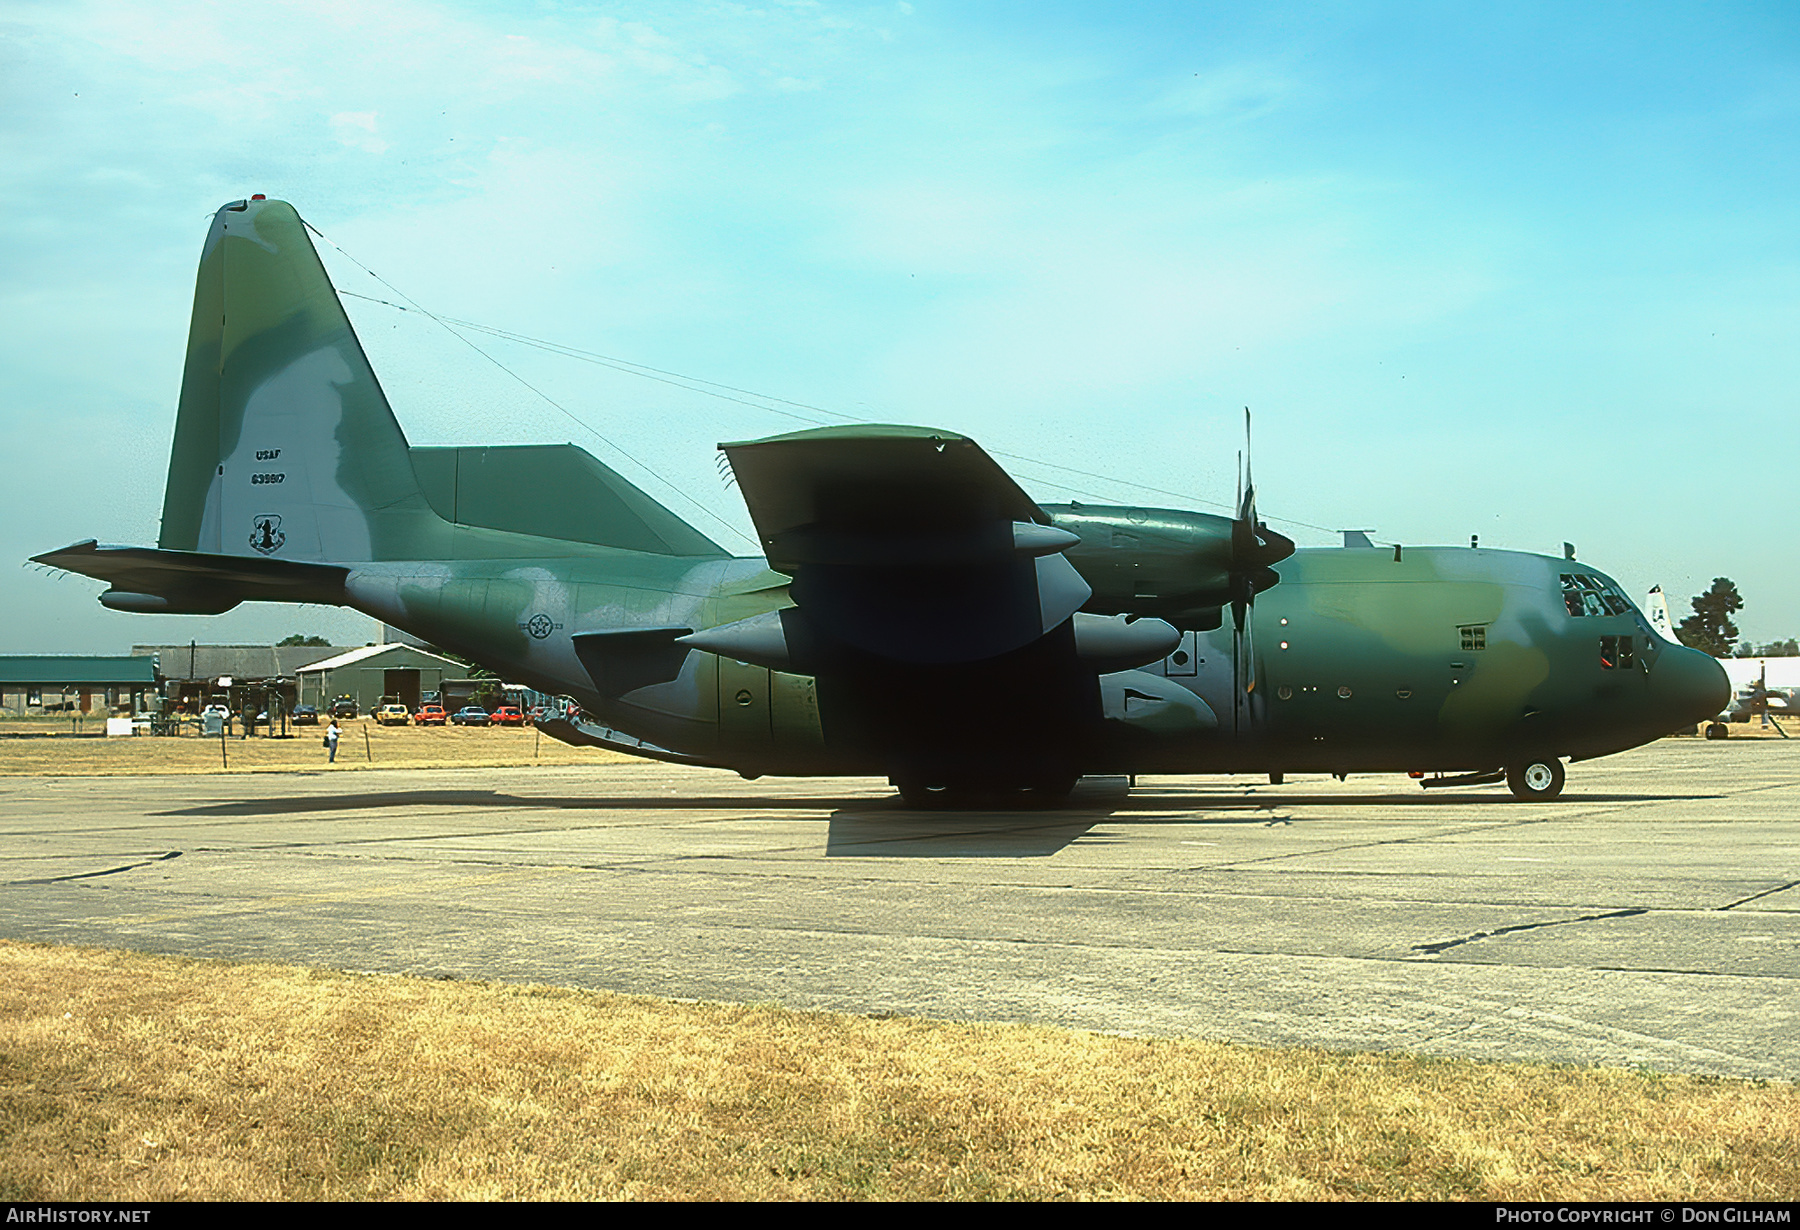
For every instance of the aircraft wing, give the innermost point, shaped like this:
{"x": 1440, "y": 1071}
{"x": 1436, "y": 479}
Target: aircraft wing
{"x": 906, "y": 543}
{"x": 148, "y": 579}
{"x": 873, "y": 480}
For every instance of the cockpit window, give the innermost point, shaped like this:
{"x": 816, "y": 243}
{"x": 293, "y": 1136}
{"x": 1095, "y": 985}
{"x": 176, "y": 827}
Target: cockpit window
{"x": 1589, "y": 595}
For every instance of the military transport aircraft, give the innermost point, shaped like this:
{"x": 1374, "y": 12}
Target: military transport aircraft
{"x": 917, "y": 615}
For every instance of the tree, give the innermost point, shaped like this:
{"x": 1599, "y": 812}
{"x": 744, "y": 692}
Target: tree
{"x": 1710, "y": 628}
{"x": 297, "y": 639}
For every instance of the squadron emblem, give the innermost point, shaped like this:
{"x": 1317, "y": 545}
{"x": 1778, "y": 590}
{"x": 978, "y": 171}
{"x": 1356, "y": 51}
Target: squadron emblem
{"x": 266, "y": 535}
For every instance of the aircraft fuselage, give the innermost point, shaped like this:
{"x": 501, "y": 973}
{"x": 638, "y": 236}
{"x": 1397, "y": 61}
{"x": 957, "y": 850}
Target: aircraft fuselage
{"x": 1445, "y": 659}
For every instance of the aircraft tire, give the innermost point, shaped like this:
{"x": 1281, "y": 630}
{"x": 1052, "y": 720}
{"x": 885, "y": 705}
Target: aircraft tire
{"x": 922, "y": 797}
{"x": 1048, "y": 793}
{"x": 1540, "y": 779}
{"x": 1718, "y": 730}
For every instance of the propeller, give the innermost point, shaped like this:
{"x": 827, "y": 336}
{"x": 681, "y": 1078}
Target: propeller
{"x": 1254, "y": 547}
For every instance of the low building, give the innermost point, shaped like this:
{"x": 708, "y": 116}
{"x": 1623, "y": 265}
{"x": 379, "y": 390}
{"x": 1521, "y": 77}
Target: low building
{"x": 374, "y": 671}
{"x": 58, "y": 683}
{"x": 251, "y": 678}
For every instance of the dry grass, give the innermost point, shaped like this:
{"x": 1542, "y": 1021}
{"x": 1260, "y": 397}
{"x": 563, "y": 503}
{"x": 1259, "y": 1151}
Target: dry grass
{"x": 136, "y": 1078}
{"x": 50, "y": 750}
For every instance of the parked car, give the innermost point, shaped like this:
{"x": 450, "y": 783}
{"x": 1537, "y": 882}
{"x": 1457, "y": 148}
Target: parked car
{"x": 392, "y": 715}
{"x": 470, "y": 715}
{"x": 431, "y": 715}
{"x": 508, "y": 715}
{"x": 304, "y": 715}
{"x": 343, "y": 707}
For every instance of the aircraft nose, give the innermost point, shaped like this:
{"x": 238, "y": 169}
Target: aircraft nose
{"x": 1687, "y": 687}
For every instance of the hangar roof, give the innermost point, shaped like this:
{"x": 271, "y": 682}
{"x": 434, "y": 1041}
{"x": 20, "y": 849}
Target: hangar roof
{"x": 238, "y": 661}
{"x": 59, "y": 669}
{"x": 407, "y": 653}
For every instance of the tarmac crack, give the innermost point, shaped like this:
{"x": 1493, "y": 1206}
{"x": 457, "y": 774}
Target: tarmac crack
{"x": 89, "y": 875}
{"x": 1435, "y": 949}
{"x": 1779, "y": 888}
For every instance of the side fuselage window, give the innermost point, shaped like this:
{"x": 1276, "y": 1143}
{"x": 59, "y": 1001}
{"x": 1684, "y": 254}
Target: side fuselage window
{"x": 1617, "y": 653}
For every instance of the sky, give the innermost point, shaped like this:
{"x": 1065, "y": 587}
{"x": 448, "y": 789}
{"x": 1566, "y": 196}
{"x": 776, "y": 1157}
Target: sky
{"x": 1526, "y": 271}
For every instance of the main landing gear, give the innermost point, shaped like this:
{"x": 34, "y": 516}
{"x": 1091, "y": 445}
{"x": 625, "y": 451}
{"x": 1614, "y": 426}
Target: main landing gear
{"x": 927, "y": 795}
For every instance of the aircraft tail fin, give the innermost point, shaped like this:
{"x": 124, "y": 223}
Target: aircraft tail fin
{"x": 285, "y": 446}
{"x": 1656, "y": 606}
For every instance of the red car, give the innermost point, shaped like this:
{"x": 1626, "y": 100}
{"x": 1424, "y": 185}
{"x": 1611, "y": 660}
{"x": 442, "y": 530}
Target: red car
{"x": 431, "y": 715}
{"x": 508, "y": 715}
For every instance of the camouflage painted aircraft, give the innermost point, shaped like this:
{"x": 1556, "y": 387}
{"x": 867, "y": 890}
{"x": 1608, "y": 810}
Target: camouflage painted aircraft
{"x": 916, "y": 615}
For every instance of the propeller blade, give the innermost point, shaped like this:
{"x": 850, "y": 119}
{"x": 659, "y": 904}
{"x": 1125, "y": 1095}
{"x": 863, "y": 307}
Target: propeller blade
{"x": 1247, "y": 488}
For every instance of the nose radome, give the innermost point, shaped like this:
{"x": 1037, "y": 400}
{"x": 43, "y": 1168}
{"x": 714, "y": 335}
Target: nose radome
{"x": 1687, "y": 687}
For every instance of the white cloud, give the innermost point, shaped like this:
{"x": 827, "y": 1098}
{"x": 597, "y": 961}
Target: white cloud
{"x": 357, "y": 130}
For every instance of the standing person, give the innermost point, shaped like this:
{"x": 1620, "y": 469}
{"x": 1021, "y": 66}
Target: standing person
{"x": 331, "y": 738}
{"x": 1759, "y": 697}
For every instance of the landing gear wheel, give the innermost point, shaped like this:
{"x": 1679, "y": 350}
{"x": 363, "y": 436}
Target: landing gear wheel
{"x": 922, "y": 795}
{"x": 1718, "y": 730}
{"x": 1049, "y": 792}
{"x": 1536, "y": 779}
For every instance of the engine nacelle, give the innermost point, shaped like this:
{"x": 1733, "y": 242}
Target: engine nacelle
{"x": 1151, "y": 561}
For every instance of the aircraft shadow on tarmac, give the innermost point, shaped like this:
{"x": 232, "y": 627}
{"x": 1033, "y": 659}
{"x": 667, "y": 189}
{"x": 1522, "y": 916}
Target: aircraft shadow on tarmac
{"x": 471, "y": 799}
{"x": 1153, "y": 802}
{"x": 881, "y": 826}
{"x": 886, "y": 827}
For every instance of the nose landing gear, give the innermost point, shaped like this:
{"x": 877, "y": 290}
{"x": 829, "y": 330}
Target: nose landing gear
{"x": 1540, "y": 779}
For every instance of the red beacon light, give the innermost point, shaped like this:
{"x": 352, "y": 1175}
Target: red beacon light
{"x": 257, "y": 196}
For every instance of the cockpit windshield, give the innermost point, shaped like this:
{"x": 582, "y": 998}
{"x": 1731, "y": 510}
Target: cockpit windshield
{"x": 1586, "y": 594}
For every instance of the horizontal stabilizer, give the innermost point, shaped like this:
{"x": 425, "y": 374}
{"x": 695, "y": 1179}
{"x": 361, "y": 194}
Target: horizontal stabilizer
{"x": 149, "y": 579}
